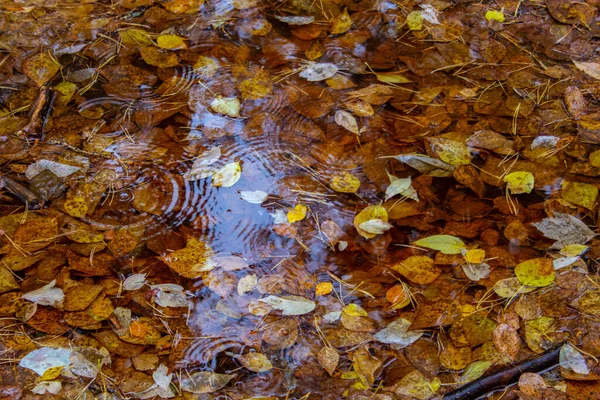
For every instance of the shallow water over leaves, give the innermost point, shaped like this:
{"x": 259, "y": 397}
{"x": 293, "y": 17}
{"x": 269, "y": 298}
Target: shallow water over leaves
{"x": 297, "y": 200}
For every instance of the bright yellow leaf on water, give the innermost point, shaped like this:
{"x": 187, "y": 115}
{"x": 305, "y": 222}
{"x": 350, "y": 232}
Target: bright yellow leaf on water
{"x": 392, "y": 77}
{"x": 228, "y": 175}
{"x": 414, "y": 20}
{"x": 229, "y": 106}
{"x": 298, "y": 213}
{"x": 192, "y": 261}
{"x": 341, "y": 23}
{"x": 323, "y": 288}
{"x": 418, "y": 269}
{"x": 354, "y": 310}
{"x": 447, "y": 244}
{"x": 171, "y": 42}
{"x": 52, "y": 373}
{"x": 493, "y": 15}
{"x": 579, "y": 193}
{"x": 475, "y": 256}
{"x": 76, "y": 206}
{"x": 345, "y": 183}
{"x": 370, "y": 213}
{"x": 255, "y": 88}
{"x": 519, "y": 182}
{"x": 451, "y": 151}
{"x": 536, "y": 272}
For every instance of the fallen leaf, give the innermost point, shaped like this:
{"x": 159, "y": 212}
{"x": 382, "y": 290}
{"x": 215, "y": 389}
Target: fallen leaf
{"x": 397, "y": 334}
{"x": 590, "y": 68}
{"x": 254, "y": 196}
{"x": 47, "y": 295}
{"x": 340, "y": 23}
{"x": 58, "y": 169}
{"x": 40, "y": 68}
{"x": 229, "y": 106}
{"x": 191, "y": 261}
{"x": 41, "y": 360}
{"x": 255, "y": 362}
{"x": 201, "y": 167}
{"x": 536, "y": 272}
{"x": 228, "y": 175}
{"x": 134, "y": 282}
{"x": 473, "y": 371}
{"x": 290, "y": 305}
{"x": 414, "y": 21}
{"x": 246, "y": 284}
{"x": 347, "y": 120}
{"x": 344, "y": 183}
{"x": 570, "y": 358}
{"x": 401, "y": 186}
{"x": 171, "y": 42}
{"x": 368, "y": 214}
{"x": 519, "y": 182}
{"x": 427, "y": 165}
{"x": 296, "y": 214}
{"x": 450, "y": 151}
{"x": 418, "y": 269}
{"x": 579, "y": 193}
{"x": 447, "y": 244}
{"x": 329, "y": 359}
{"x": 161, "y": 378}
{"x": 493, "y": 15}
{"x": 314, "y": 72}
{"x": 565, "y": 229}
{"x": 323, "y": 288}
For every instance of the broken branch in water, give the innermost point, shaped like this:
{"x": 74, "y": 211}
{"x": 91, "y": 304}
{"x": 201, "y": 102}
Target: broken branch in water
{"x": 504, "y": 376}
{"x": 39, "y": 115}
{"x": 21, "y": 192}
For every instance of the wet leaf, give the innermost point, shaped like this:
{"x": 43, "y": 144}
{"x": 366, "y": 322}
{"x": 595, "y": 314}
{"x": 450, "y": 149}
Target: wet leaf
{"x": 201, "y": 167}
{"x": 296, "y": 19}
{"x": 158, "y": 57}
{"x": 519, "y": 182}
{"x": 451, "y": 151}
{"x": 579, "y": 193}
{"x": 314, "y": 72}
{"x": 290, "y": 305}
{"x": 41, "y": 360}
{"x": 397, "y": 333}
{"x": 246, "y": 284}
{"x": 53, "y": 387}
{"x": 341, "y": 23}
{"x": 418, "y": 269}
{"x": 370, "y": 213}
{"x": 590, "y": 68}
{"x": 510, "y": 287}
{"x": 170, "y": 295}
{"x": 347, "y": 120}
{"x": 401, "y": 186}
{"x": 161, "y": 378}
{"x": 58, "y": 169}
{"x": 493, "y": 15}
{"x": 416, "y": 385}
{"x": 536, "y": 272}
{"x": 296, "y": 214}
{"x": 414, "y": 21}
{"x": 427, "y": 165}
{"x": 47, "y": 295}
{"x": 392, "y": 77}
{"x": 229, "y": 106}
{"x": 344, "y": 183}
{"x": 507, "y": 341}
{"x": 328, "y": 359}
{"x": 473, "y": 371}
{"x": 228, "y": 175}
{"x": 375, "y": 226}
{"x": 40, "y": 68}
{"x": 572, "y": 359}
{"x": 134, "y": 282}
{"x": 255, "y": 362}
{"x": 191, "y": 261}
{"x": 447, "y": 244}
{"x": 476, "y": 272}
{"x": 254, "y": 196}
{"x": 204, "y": 382}
{"x": 455, "y": 358}
{"x": 170, "y": 42}
{"x": 255, "y": 88}
{"x": 565, "y": 229}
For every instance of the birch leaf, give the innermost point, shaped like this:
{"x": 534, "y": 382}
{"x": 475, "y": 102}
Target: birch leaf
{"x": 447, "y": 244}
{"x": 397, "y": 333}
{"x": 571, "y": 358}
{"x": 590, "y": 68}
{"x": 41, "y": 360}
{"x": 329, "y": 359}
{"x": 451, "y": 151}
{"x": 191, "y": 261}
{"x": 229, "y": 106}
{"x": 565, "y": 229}
{"x": 345, "y": 183}
{"x": 255, "y": 362}
{"x": 519, "y": 182}
{"x": 427, "y": 165}
{"x": 368, "y": 214}
{"x": 134, "y": 282}
{"x": 161, "y": 378}
{"x": 375, "y": 226}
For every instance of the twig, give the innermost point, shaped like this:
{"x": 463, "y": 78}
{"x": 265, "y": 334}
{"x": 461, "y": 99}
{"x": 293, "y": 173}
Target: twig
{"x": 21, "y": 192}
{"x": 39, "y": 115}
{"x": 504, "y": 376}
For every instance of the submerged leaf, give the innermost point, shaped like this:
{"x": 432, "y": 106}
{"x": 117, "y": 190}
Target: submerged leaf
{"x": 200, "y": 169}
{"x": 427, "y": 165}
{"x": 229, "y": 106}
{"x": 191, "y": 261}
{"x": 519, "y": 182}
{"x": 290, "y": 305}
{"x": 204, "y": 382}
{"x": 571, "y": 358}
{"x": 41, "y": 360}
{"x": 347, "y": 120}
{"x": 401, "y": 186}
{"x": 314, "y": 72}
{"x": 298, "y": 213}
{"x": 447, "y": 244}
{"x": 536, "y": 272}
{"x": 565, "y": 229}
{"x": 397, "y": 333}
{"x": 368, "y": 214}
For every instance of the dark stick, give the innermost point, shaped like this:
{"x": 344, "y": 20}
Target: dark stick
{"x": 21, "y": 192}
{"x": 39, "y": 115}
{"x": 504, "y": 376}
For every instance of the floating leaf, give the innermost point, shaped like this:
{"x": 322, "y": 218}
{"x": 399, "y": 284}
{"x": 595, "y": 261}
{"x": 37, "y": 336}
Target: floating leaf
{"x": 414, "y": 21}
{"x": 171, "y": 42}
{"x": 158, "y": 57}
{"x": 418, "y": 269}
{"x": 493, "y": 15}
{"x": 536, "y": 272}
{"x": 229, "y": 106}
{"x": 41, "y": 360}
{"x": 427, "y": 165}
{"x": 255, "y": 362}
{"x": 298, "y": 213}
{"x": 228, "y": 175}
{"x": 246, "y": 284}
{"x": 206, "y": 67}
{"x": 579, "y": 193}
{"x": 329, "y": 359}
{"x": 450, "y": 151}
{"x": 401, "y": 186}
{"x": 397, "y": 333}
{"x": 347, "y": 120}
{"x": 255, "y": 88}
{"x": 447, "y": 244}
{"x": 254, "y": 196}
{"x": 201, "y": 167}
{"x": 323, "y": 288}
{"x": 474, "y": 256}
{"x": 368, "y": 214}
{"x": 565, "y": 229}
{"x": 296, "y": 19}
{"x": 375, "y": 226}
{"x": 314, "y": 72}
{"x": 345, "y": 183}
{"x": 392, "y": 77}
{"x": 191, "y": 261}
{"x": 47, "y": 295}
{"x": 204, "y": 382}
{"x": 476, "y": 272}
{"x": 519, "y": 182}
{"x": 290, "y": 305}
{"x": 570, "y": 358}
{"x": 161, "y": 378}
{"x": 170, "y": 295}
{"x": 58, "y": 169}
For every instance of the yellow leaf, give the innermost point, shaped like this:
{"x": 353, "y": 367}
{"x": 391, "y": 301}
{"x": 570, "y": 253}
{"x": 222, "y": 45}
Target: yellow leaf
{"x": 66, "y": 91}
{"x": 323, "y": 288}
{"x": 368, "y": 214}
{"x": 579, "y": 193}
{"x": 255, "y": 88}
{"x": 475, "y": 256}
{"x": 345, "y": 183}
{"x": 447, "y": 244}
{"x": 418, "y": 269}
{"x": 341, "y": 23}
{"x": 228, "y": 175}
{"x": 572, "y": 250}
{"x": 158, "y": 57}
{"x": 536, "y": 272}
{"x": 76, "y": 206}
{"x": 191, "y": 261}
{"x": 392, "y": 77}
{"x": 493, "y": 15}
{"x": 451, "y": 151}
{"x": 135, "y": 37}
{"x": 171, "y": 42}
{"x": 40, "y": 68}
{"x": 519, "y": 182}
{"x": 52, "y": 373}
{"x": 354, "y": 310}
{"x": 206, "y": 66}
{"x": 229, "y": 106}
{"x": 298, "y": 213}
{"x": 414, "y": 20}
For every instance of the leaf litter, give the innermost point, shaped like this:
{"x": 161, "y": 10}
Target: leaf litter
{"x": 403, "y": 198}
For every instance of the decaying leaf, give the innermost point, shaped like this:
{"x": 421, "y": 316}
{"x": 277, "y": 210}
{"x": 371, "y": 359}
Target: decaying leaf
{"x": 328, "y": 359}
{"x": 290, "y": 305}
{"x": 45, "y": 358}
{"x": 254, "y": 196}
{"x": 347, "y": 120}
{"x": 427, "y": 165}
{"x": 191, "y": 261}
{"x": 536, "y": 272}
{"x": 228, "y": 175}
{"x": 204, "y": 382}
{"x": 47, "y": 295}
{"x": 255, "y": 362}
{"x": 571, "y": 358}
{"x": 418, "y": 269}
{"x": 401, "y": 186}
{"x": 397, "y": 333}
{"x": 314, "y": 72}
{"x": 565, "y": 229}
{"x": 201, "y": 167}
